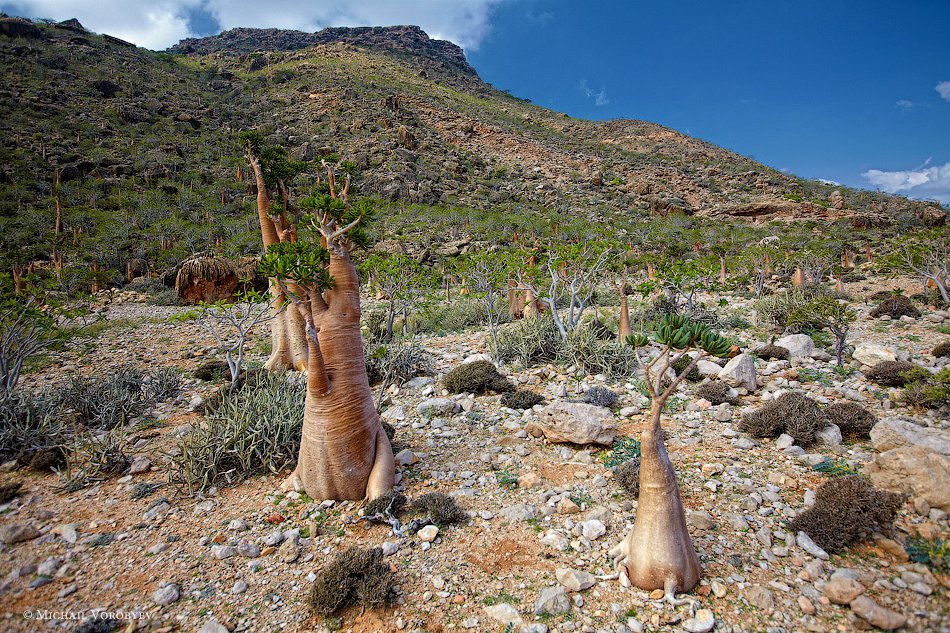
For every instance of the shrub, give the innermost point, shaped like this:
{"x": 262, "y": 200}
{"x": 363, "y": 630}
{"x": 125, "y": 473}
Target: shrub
{"x": 601, "y": 396}
{"x": 896, "y": 307}
{"x": 480, "y": 376}
{"x": 627, "y": 475}
{"x": 354, "y": 576}
{"x": 942, "y": 350}
{"x": 598, "y": 356}
{"x": 529, "y": 340}
{"x": 110, "y": 399}
{"x": 212, "y": 370}
{"x": 391, "y": 503}
{"x": 931, "y": 392}
{"x": 792, "y": 412}
{"x": 600, "y": 330}
{"x": 440, "y": 508}
{"x": 442, "y": 317}
{"x": 521, "y": 399}
{"x": 770, "y": 351}
{"x": 253, "y": 431}
{"x": 896, "y": 373}
{"x": 623, "y": 450}
{"x": 679, "y": 366}
{"x": 933, "y": 553}
{"x": 779, "y": 307}
{"x": 854, "y": 420}
{"x": 10, "y": 491}
{"x": 31, "y": 425}
{"x": 717, "y": 392}
{"x": 846, "y": 509}
{"x": 397, "y": 362}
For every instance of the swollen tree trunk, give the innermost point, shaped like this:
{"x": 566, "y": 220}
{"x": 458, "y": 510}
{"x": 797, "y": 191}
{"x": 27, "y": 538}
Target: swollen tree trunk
{"x": 344, "y": 452}
{"x": 623, "y": 330}
{"x": 658, "y": 552}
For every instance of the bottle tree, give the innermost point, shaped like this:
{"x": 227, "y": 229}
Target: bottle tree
{"x": 658, "y": 552}
{"x": 344, "y": 452}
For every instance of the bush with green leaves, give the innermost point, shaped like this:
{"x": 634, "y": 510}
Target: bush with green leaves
{"x": 441, "y": 317}
{"x": 896, "y": 373}
{"x": 529, "y": 341}
{"x": 586, "y": 349}
{"x": 777, "y": 308}
{"x": 31, "y": 424}
{"x": 397, "y": 362}
{"x": 930, "y": 392}
{"x": 115, "y": 396}
{"x": 825, "y": 312}
{"x": 255, "y": 430}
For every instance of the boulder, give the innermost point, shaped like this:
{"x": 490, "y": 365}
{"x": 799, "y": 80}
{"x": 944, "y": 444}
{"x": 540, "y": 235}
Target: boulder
{"x": 870, "y": 354}
{"x": 553, "y": 600}
{"x": 18, "y": 533}
{"x": 798, "y": 345}
{"x": 574, "y": 422}
{"x": 876, "y": 615}
{"x": 843, "y": 590}
{"x": 708, "y": 368}
{"x": 895, "y": 432}
{"x": 915, "y": 470}
{"x": 830, "y": 435}
{"x": 739, "y": 372}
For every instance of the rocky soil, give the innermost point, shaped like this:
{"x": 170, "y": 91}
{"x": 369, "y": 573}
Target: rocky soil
{"x": 542, "y": 515}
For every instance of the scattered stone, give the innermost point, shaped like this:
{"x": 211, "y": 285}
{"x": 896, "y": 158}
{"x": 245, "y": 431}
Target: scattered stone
{"x": 829, "y": 436}
{"x": 505, "y": 614}
{"x": 574, "y": 579}
{"x": 798, "y": 345}
{"x": 428, "y": 533}
{"x": 140, "y": 464}
{"x": 166, "y": 594}
{"x": 239, "y": 587}
{"x": 702, "y": 622}
{"x": 894, "y": 432}
{"x": 18, "y": 533}
{"x": 212, "y": 626}
{"x": 739, "y": 372}
{"x": 574, "y": 423}
{"x": 804, "y": 541}
{"x": 843, "y": 590}
{"x": 759, "y": 596}
{"x": 877, "y": 615}
{"x": 519, "y": 512}
{"x": 593, "y": 529}
{"x": 553, "y": 600}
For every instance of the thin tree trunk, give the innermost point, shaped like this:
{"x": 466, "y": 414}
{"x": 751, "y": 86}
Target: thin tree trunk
{"x": 623, "y": 330}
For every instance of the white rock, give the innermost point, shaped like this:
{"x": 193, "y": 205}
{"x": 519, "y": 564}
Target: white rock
{"x": 574, "y": 579}
{"x": 797, "y": 345}
{"x": 870, "y": 354}
{"x": 505, "y": 614}
{"x": 593, "y": 529}
{"x": 702, "y": 622}
{"x": 428, "y": 533}
{"x": 556, "y": 540}
{"x": 804, "y": 541}
{"x": 575, "y": 423}
{"x": 895, "y": 432}
{"x": 213, "y": 627}
{"x": 739, "y": 372}
{"x": 166, "y": 594}
{"x": 830, "y": 435}
{"x": 708, "y": 368}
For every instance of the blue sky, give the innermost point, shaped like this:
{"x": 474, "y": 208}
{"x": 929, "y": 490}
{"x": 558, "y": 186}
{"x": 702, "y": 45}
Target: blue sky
{"x": 855, "y": 92}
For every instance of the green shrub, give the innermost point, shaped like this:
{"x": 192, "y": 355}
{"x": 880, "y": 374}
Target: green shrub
{"x": 441, "y": 317}
{"x": 777, "y": 309}
{"x": 397, "y": 362}
{"x": 933, "y": 553}
{"x": 679, "y": 366}
{"x": 521, "y": 399}
{"x": 834, "y": 467}
{"x": 112, "y": 398}
{"x": 931, "y": 392}
{"x": 253, "y": 431}
{"x": 623, "y": 450}
{"x": 31, "y": 425}
{"x": 846, "y": 509}
{"x": 480, "y": 377}
{"x": 529, "y": 340}
{"x": 598, "y": 356}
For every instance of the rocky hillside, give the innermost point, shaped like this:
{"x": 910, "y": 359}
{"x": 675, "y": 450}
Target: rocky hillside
{"x": 132, "y": 144}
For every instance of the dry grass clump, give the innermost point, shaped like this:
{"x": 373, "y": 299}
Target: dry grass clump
{"x": 10, "y": 491}
{"x": 354, "y": 576}
{"x": 771, "y": 352}
{"x": 212, "y": 370}
{"x": 846, "y": 509}
{"x": 896, "y": 373}
{"x": 521, "y": 399}
{"x": 627, "y": 475}
{"x": 440, "y": 507}
{"x": 391, "y": 503}
{"x": 717, "y": 392}
{"x": 854, "y": 420}
{"x": 896, "y": 307}
{"x": 792, "y": 412}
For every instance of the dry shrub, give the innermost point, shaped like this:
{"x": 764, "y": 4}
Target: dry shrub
{"x": 521, "y": 399}
{"x": 847, "y": 509}
{"x": 854, "y": 420}
{"x": 354, "y": 576}
{"x": 770, "y": 352}
{"x": 212, "y": 370}
{"x": 600, "y": 396}
{"x": 391, "y": 503}
{"x": 896, "y": 373}
{"x": 480, "y": 376}
{"x": 10, "y": 491}
{"x": 792, "y": 412}
{"x": 717, "y": 392}
{"x": 679, "y": 366}
{"x": 627, "y": 475}
{"x": 896, "y": 307}
{"x": 941, "y": 350}
{"x": 440, "y": 507}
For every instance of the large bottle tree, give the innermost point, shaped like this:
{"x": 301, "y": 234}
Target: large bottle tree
{"x": 658, "y": 552}
{"x": 344, "y": 452}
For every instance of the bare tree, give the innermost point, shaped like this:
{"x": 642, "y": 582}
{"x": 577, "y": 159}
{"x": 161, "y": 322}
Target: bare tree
{"x": 231, "y": 323}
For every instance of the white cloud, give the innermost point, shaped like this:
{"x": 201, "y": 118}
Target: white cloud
{"x": 599, "y": 97}
{"x": 943, "y": 89}
{"x": 926, "y": 183}
{"x": 904, "y": 105}
{"x": 158, "y": 24}
{"x": 829, "y": 182}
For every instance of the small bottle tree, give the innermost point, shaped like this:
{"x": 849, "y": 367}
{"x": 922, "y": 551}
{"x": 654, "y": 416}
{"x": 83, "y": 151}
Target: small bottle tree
{"x": 826, "y": 312}
{"x": 658, "y": 552}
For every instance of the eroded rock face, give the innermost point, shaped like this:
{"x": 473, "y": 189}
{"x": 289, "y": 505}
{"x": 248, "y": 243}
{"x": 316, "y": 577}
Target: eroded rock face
{"x": 915, "y": 470}
{"x": 576, "y": 423}
{"x": 891, "y": 433}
